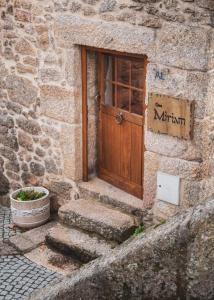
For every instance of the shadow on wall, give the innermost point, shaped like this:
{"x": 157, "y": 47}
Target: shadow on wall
{"x": 172, "y": 261}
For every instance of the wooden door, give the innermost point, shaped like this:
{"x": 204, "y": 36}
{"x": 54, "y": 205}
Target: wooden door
{"x": 121, "y": 121}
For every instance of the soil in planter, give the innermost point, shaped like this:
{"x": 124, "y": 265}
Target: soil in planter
{"x": 29, "y": 195}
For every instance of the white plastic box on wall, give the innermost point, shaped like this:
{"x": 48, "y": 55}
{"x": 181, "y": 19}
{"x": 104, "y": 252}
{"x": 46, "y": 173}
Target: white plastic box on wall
{"x": 168, "y": 188}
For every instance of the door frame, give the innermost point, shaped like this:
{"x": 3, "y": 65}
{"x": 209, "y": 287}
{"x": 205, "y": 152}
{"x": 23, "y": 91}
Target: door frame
{"x": 84, "y": 65}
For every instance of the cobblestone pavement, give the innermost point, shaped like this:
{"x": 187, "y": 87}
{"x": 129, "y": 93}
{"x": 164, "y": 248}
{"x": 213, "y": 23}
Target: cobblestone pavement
{"x": 5, "y": 220}
{"x": 19, "y": 276}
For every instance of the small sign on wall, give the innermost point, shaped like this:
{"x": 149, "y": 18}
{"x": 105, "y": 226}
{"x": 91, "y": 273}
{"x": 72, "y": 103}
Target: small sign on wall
{"x": 169, "y": 115}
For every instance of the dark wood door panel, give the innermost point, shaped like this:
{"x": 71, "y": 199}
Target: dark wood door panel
{"x": 110, "y": 150}
{"x": 136, "y": 154}
{"x": 125, "y": 150}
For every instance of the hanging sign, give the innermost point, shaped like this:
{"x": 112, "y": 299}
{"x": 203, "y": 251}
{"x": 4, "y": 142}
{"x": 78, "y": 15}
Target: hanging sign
{"x": 169, "y": 115}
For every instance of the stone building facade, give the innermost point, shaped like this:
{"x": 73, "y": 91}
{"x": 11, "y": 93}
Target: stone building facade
{"x": 41, "y": 95}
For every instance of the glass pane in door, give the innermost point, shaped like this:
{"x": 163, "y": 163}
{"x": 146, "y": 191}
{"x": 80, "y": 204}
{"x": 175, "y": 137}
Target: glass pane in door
{"x": 123, "y": 97}
{"x": 123, "y": 70}
{"x": 109, "y": 93}
{"x": 137, "y": 102}
{"x": 137, "y": 74}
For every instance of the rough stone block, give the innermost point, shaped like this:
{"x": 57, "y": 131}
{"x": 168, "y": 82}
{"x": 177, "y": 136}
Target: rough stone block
{"x": 95, "y": 217}
{"x": 21, "y": 90}
{"x": 22, "y": 15}
{"x": 70, "y": 30}
{"x": 179, "y": 83}
{"x": 71, "y": 142}
{"x": 25, "y": 140}
{"x": 180, "y": 167}
{"x": 30, "y": 126}
{"x": 183, "y": 46}
{"x": 4, "y": 184}
{"x": 24, "y": 47}
{"x": 151, "y": 166}
{"x": 60, "y": 103}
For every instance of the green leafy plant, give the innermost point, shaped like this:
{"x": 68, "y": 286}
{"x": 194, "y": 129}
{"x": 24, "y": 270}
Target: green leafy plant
{"x": 139, "y": 229}
{"x": 29, "y": 195}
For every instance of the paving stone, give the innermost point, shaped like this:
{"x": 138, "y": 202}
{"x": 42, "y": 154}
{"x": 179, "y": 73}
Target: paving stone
{"x": 11, "y": 289}
{"x": 96, "y": 217}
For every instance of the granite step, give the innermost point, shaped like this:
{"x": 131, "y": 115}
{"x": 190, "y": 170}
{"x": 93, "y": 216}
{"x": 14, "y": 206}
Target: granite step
{"x": 77, "y": 243}
{"x": 96, "y": 217}
{"x": 111, "y": 195}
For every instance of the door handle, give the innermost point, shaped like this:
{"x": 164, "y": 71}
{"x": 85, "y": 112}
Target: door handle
{"x": 119, "y": 118}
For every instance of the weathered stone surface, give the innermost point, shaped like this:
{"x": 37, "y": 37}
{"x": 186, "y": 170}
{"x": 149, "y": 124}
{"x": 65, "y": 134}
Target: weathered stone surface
{"x": 12, "y": 166}
{"x": 22, "y": 69}
{"x": 22, "y": 15}
{"x": 59, "y": 103}
{"x": 14, "y": 107}
{"x": 21, "y": 90}
{"x": 70, "y": 30}
{"x": 25, "y": 140}
{"x": 180, "y": 83}
{"x": 205, "y": 4}
{"x": 8, "y": 153}
{"x": 9, "y": 140}
{"x": 29, "y": 178}
{"x": 29, "y": 60}
{"x": 37, "y": 169}
{"x": 106, "y": 193}
{"x": 107, "y": 5}
{"x": 30, "y": 126}
{"x": 24, "y": 242}
{"x": 182, "y": 46}
{"x": 50, "y": 74}
{"x": 24, "y": 47}
{"x": 4, "y": 185}
{"x": 60, "y": 193}
{"x": 151, "y": 166}
{"x": 51, "y": 166}
{"x": 70, "y": 139}
{"x": 95, "y": 217}
{"x": 40, "y": 152}
{"x": 6, "y": 121}
{"x": 45, "y": 142}
{"x": 151, "y": 264}
{"x": 77, "y": 243}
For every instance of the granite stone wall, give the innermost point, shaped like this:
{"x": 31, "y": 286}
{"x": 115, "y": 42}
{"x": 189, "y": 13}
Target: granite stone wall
{"x": 40, "y": 88}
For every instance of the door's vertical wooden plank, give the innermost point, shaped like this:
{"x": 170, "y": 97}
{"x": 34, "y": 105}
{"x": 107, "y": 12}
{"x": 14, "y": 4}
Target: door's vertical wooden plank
{"x": 84, "y": 114}
{"x": 125, "y": 150}
{"x": 136, "y": 154}
{"x": 111, "y": 145}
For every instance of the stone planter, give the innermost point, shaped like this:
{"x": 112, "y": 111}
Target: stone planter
{"x": 33, "y": 213}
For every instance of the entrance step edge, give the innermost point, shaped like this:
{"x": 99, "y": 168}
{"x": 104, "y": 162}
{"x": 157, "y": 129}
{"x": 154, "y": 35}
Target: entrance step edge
{"x": 111, "y": 195}
{"x": 96, "y": 217}
{"x": 76, "y": 243}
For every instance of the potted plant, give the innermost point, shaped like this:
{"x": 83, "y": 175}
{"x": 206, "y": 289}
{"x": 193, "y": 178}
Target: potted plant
{"x": 30, "y": 206}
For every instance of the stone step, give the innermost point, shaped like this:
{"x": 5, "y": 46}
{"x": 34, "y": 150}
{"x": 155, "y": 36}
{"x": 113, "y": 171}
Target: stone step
{"x": 109, "y": 194}
{"x": 77, "y": 243}
{"x": 96, "y": 217}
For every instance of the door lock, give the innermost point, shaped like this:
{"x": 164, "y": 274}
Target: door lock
{"x": 119, "y": 118}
